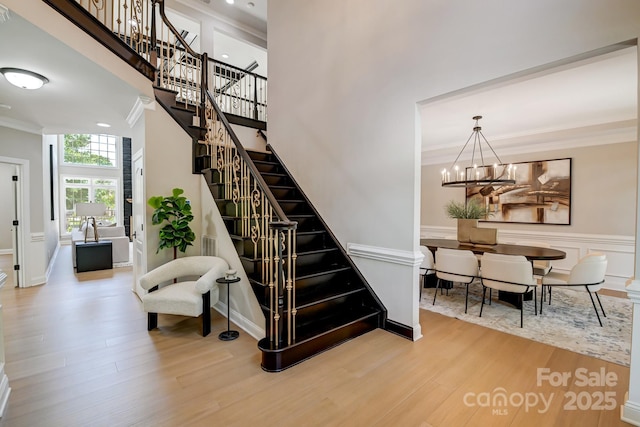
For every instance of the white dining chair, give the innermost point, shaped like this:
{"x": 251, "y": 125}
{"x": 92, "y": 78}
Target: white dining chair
{"x": 587, "y": 275}
{"x": 509, "y": 273}
{"x": 456, "y": 266}
{"x": 540, "y": 267}
{"x": 427, "y": 267}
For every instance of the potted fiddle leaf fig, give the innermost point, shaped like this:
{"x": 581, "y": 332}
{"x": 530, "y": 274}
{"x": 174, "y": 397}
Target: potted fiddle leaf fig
{"x": 175, "y": 213}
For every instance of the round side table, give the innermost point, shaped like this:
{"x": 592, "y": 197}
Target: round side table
{"x": 228, "y": 335}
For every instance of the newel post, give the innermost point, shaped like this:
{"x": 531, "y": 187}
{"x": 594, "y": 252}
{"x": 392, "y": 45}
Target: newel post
{"x": 285, "y": 311}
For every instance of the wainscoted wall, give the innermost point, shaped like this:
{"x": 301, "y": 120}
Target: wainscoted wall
{"x": 620, "y": 250}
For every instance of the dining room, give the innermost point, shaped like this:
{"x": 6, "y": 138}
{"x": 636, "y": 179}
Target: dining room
{"x": 549, "y": 159}
{"x": 575, "y": 120}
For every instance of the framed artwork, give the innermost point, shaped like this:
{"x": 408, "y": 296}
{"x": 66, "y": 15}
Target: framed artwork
{"x": 540, "y": 195}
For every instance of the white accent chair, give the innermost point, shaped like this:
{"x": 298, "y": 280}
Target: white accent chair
{"x": 588, "y": 274}
{"x": 427, "y": 267}
{"x": 456, "y": 266}
{"x": 184, "y": 297}
{"x": 508, "y": 273}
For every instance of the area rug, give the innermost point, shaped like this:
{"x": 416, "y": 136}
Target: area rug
{"x": 569, "y": 322}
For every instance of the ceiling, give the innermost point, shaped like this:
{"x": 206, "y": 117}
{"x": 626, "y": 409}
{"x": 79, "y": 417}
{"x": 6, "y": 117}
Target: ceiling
{"x": 72, "y": 102}
{"x": 593, "y": 98}
{"x": 588, "y": 101}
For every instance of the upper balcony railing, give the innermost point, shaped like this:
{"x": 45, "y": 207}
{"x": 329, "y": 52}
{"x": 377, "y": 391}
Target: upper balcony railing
{"x": 236, "y": 91}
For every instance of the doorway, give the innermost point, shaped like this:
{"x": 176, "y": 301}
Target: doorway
{"x": 11, "y": 220}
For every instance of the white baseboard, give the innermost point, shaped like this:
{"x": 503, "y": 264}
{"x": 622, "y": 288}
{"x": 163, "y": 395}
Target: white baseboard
{"x": 5, "y": 390}
{"x": 243, "y": 323}
{"x": 630, "y": 413}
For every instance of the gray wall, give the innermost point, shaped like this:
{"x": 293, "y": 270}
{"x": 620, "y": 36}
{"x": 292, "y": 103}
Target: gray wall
{"x": 27, "y": 146}
{"x": 6, "y": 207}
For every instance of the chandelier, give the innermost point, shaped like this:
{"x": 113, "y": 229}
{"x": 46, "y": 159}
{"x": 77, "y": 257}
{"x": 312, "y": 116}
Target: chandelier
{"x": 482, "y": 174}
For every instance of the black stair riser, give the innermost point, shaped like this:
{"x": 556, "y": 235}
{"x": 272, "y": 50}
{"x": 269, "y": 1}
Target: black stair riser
{"x": 275, "y": 179}
{"x": 285, "y": 193}
{"x": 308, "y": 321}
{"x": 295, "y": 207}
{"x": 260, "y": 156}
{"x": 304, "y": 262}
{"x": 268, "y": 167}
{"x": 321, "y": 286}
{"x": 276, "y": 360}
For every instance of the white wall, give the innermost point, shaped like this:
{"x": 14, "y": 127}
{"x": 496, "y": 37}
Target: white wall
{"x": 167, "y": 165}
{"x": 7, "y": 214}
{"x": 26, "y": 149}
{"x": 245, "y": 310}
{"x": 367, "y": 64}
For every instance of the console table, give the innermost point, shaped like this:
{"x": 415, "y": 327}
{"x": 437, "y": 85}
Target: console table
{"x": 92, "y": 256}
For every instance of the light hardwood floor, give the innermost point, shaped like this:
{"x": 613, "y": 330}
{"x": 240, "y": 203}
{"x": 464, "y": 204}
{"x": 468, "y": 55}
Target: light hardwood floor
{"x": 78, "y": 354}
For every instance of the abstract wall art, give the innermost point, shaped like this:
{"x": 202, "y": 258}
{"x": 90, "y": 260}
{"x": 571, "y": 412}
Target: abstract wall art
{"x": 541, "y": 194}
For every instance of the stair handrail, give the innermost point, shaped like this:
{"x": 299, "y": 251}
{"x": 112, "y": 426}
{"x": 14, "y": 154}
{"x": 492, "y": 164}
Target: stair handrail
{"x": 203, "y": 58}
{"x": 224, "y": 70}
{"x": 206, "y": 93}
{"x": 245, "y": 156}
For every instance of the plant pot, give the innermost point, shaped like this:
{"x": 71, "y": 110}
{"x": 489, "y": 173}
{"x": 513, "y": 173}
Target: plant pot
{"x": 464, "y": 229}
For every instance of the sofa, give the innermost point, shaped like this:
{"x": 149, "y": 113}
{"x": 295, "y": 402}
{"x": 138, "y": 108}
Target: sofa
{"x": 115, "y": 234}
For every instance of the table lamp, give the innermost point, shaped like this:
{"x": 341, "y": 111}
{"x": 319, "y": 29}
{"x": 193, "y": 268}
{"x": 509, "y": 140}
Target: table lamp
{"x": 91, "y": 210}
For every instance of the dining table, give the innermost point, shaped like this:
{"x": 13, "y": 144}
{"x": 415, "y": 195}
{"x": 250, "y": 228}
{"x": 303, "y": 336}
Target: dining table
{"x": 532, "y": 253}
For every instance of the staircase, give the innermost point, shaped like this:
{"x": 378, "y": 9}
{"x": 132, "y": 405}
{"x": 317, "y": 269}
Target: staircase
{"x": 333, "y": 301}
{"x": 311, "y": 293}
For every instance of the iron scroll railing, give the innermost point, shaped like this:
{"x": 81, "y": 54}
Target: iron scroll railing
{"x": 261, "y": 219}
{"x": 260, "y": 216}
{"x": 237, "y": 91}
{"x": 144, "y": 26}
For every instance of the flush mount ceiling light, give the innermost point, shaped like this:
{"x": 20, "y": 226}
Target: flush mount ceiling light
{"x": 474, "y": 174}
{"x": 23, "y": 78}
{"x": 103, "y": 125}
{"x": 230, "y": 1}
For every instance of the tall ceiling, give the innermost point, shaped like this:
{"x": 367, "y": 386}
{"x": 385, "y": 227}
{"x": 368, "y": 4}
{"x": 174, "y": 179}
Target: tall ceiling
{"x": 595, "y": 97}
{"x": 80, "y": 93}
{"x": 590, "y": 101}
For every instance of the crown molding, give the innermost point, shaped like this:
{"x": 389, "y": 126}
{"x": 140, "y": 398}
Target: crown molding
{"x": 552, "y": 140}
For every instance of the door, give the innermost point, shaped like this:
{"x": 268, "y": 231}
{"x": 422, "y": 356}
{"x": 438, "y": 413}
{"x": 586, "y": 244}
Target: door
{"x": 16, "y": 227}
{"x": 139, "y": 250}
{"x": 12, "y": 218}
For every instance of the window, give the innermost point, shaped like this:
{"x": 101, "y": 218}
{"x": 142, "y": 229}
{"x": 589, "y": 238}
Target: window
{"x": 87, "y": 189}
{"x": 94, "y": 150}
